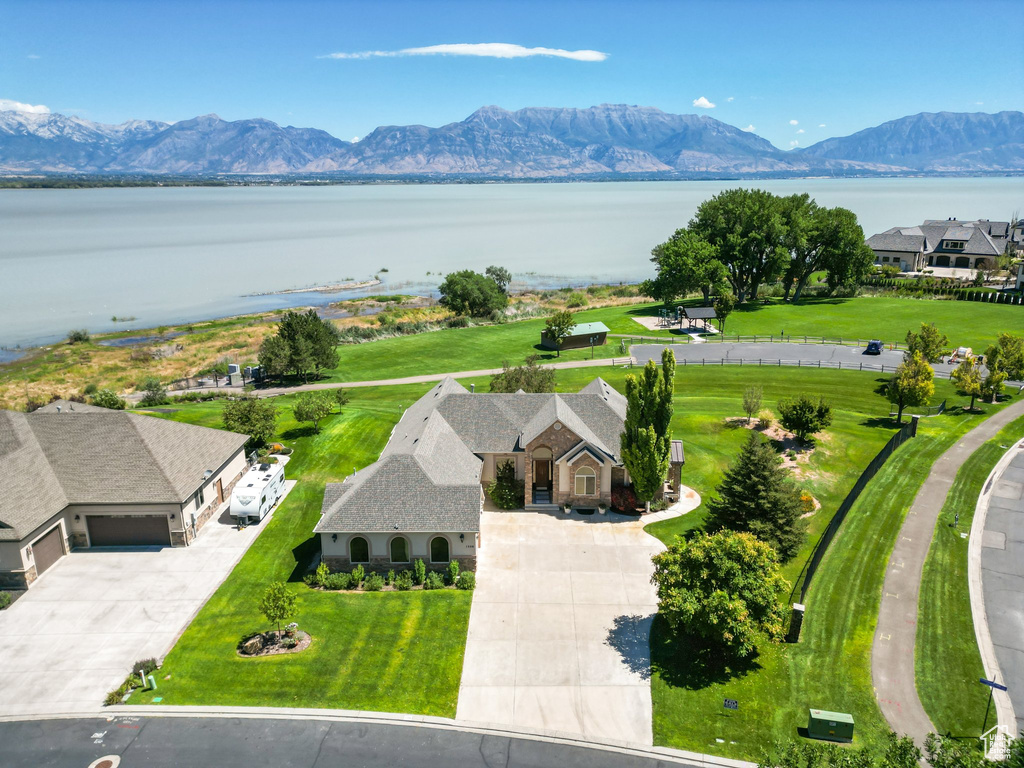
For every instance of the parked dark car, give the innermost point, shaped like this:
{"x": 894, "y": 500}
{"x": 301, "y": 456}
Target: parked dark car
{"x": 874, "y": 348}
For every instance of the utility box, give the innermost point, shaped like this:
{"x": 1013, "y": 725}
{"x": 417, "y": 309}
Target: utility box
{"x": 830, "y": 726}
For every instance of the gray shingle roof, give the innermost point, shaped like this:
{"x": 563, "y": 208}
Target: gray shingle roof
{"x": 981, "y": 238}
{"x": 895, "y": 241}
{"x": 428, "y": 476}
{"x": 50, "y": 459}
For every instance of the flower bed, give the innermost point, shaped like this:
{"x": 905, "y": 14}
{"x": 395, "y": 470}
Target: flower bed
{"x": 274, "y": 643}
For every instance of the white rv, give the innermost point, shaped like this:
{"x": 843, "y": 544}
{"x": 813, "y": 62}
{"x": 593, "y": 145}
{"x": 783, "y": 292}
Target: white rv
{"x": 256, "y": 493}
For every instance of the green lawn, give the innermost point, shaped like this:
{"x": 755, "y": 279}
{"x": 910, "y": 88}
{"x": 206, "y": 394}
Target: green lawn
{"x": 947, "y": 662}
{"x": 831, "y": 667}
{"x": 396, "y": 651}
{"x": 967, "y": 323}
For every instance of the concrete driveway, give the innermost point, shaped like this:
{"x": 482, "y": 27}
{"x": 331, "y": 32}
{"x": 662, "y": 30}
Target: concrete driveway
{"x": 560, "y": 624}
{"x": 75, "y": 635}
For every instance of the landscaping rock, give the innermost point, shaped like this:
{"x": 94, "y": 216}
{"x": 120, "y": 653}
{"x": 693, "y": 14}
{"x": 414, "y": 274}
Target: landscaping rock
{"x": 253, "y": 645}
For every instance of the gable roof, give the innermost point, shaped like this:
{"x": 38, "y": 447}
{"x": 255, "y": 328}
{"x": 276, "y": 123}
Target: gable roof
{"x": 428, "y": 475}
{"x": 980, "y": 238}
{"x": 50, "y": 459}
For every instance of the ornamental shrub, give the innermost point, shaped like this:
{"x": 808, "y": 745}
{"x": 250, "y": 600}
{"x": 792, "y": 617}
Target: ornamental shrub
{"x": 466, "y": 580}
{"x": 338, "y": 581}
{"x": 5, "y": 600}
{"x": 390, "y": 578}
{"x": 433, "y": 581}
{"x": 373, "y": 583}
{"x": 419, "y": 572}
{"x": 453, "y": 571}
{"x": 322, "y": 572}
{"x": 403, "y": 582}
{"x": 358, "y": 574}
{"x": 506, "y": 492}
{"x": 624, "y": 499}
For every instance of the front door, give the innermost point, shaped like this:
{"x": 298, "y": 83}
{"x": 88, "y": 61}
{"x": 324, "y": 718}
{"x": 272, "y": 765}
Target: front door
{"x": 542, "y": 474}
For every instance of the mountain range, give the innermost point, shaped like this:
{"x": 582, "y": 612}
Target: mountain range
{"x": 537, "y": 142}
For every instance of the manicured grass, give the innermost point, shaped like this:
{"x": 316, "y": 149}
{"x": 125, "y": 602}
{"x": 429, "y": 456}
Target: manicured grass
{"x": 395, "y": 651}
{"x": 947, "y": 662}
{"x": 967, "y": 323}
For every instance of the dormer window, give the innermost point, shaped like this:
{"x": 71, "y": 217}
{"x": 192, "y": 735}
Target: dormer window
{"x": 954, "y": 245}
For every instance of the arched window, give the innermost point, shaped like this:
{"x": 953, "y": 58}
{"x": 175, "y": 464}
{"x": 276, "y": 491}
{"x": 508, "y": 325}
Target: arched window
{"x": 359, "y": 550}
{"x": 586, "y": 482}
{"x": 439, "y": 550}
{"x": 399, "y": 550}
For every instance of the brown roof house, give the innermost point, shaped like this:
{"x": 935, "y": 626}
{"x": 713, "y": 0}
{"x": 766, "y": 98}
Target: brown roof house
{"x": 423, "y": 497}
{"x": 74, "y": 475}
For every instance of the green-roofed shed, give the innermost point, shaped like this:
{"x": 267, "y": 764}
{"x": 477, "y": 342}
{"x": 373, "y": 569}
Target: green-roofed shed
{"x": 582, "y": 335}
{"x": 831, "y": 726}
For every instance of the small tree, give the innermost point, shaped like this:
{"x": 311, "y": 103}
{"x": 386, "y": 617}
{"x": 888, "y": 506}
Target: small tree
{"x": 967, "y": 379}
{"x": 803, "y": 417}
{"x": 78, "y": 336}
{"x": 752, "y": 401}
{"x": 277, "y": 604}
{"x": 928, "y": 341}
{"x": 313, "y": 407}
{"x": 529, "y": 378}
{"x": 501, "y": 277}
{"x": 153, "y": 392}
{"x": 559, "y": 327}
{"x": 253, "y": 417}
{"x": 725, "y": 588}
{"x": 341, "y": 397}
{"x": 470, "y": 293}
{"x": 911, "y": 385}
{"x": 505, "y": 491}
{"x": 107, "y": 398}
{"x": 646, "y": 458}
{"x": 724, "y": 304}
{"x": 757, "y": 496}
{"x": 646, "y": 435}
{"x": 1007, "y": 355}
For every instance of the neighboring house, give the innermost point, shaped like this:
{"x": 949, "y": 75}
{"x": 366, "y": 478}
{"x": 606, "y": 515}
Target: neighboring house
{"x": 424, "y": 496}
{"x": 951, "y": 243}
{"x": 581, "y": 335}
{"x": 74, "y": 475}
{"x": 1020, "y": 276}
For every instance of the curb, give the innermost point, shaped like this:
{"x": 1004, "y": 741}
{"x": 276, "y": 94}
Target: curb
{"x": 665, "y": 754}
{"x": 1004, "y": 706}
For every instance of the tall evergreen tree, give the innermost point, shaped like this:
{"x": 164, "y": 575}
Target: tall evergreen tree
{"x": 757, "y": 496}
{"x": 646, "y": 435}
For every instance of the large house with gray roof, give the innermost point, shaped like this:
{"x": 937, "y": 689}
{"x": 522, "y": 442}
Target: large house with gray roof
{"x": 74, "y": 475}
{"x": 424, "y": 496}
{"x": 942, "y": 244}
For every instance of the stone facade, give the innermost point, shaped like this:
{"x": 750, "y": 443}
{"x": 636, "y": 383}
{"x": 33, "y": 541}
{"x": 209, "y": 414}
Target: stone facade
{"x": 78, "y": 540}
{"x": 568, "y": 495}
{"x": 558, "y": 441}
{"x": 18, "y": 579}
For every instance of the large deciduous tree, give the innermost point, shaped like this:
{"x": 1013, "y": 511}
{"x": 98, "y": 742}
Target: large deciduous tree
{"x": 530, "y": 377}
{"x": 685, "y": 263}
{"x": 646, "y": 433}
{"x": 470, "y": 293}
{"x": 828, "y": 239}
{"x": 501, "y": 277}
{"x": 314, "y": 407}
{"x": 1007, "y": 355}
{"x": 912, "y": 384}
{"x": 803, "y": 416}
{"x": 758, "y": 496}
{"x": 724, "y": 588}
{"x": 748, "y": 228}
{"x": 253, "y": 417}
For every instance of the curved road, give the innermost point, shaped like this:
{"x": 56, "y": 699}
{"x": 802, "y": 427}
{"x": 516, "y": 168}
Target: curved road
{"x": 892, "y": 651}
{"x": 303, "y": 742}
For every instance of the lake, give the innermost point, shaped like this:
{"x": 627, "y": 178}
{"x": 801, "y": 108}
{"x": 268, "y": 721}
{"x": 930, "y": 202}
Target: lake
{"x": 75, "y": 258}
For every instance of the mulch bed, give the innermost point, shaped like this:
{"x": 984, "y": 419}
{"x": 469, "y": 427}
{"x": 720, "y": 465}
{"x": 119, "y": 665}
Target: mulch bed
{"x": 274, "y": 648}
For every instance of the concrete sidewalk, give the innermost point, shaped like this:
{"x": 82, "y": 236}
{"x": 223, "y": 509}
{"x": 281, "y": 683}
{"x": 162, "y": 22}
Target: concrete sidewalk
{"x": 892, "y": 651}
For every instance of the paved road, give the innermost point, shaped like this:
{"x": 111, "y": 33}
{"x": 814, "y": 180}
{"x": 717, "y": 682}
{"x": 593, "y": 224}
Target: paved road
{"x": 227, "y": 742}
{"x": 1002, "y": 577}
{"x": 892, "y": 652}
{"x": 789, "y": 353}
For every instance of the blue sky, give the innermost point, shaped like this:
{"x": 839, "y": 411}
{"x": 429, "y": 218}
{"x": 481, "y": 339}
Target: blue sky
{"x": 841, "y": 65}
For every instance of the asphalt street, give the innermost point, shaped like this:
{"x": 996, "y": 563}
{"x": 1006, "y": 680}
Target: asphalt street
{"x": 225, "y": 742}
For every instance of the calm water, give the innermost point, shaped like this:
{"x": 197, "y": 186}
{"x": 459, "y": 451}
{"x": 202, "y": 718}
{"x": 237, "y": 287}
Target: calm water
{"x": 73, "y": 258}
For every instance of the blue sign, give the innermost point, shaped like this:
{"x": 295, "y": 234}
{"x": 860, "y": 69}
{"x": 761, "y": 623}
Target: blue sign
{"x": 992, "y": 684}
{"x": 731, "y": 704}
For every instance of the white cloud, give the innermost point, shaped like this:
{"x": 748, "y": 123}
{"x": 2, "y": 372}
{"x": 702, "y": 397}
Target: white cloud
{"x": 6, "y": 105}
{"x": 490, "y": 50}
{"x": 794, "y": 143}
{"x": 794, "y": 122}
{"x": 703, "y": 103}
{"x": 800, "y": 131}
{"x": 821, "y": 125}
{"x": 750, "y": 128}
{"x": 730, "y": 98}
{"x": 33, "y": 56}
{"x": 979, "y": 103}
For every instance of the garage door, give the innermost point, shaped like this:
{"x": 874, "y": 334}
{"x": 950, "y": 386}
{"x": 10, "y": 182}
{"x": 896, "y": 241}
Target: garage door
{"x": 107, "y": 531}
{"x": 48, "y": 550}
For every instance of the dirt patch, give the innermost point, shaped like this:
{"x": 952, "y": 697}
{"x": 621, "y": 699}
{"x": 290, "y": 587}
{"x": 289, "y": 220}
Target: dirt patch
{"x": 795, "y": 453}
{"x": 273, "y": 647}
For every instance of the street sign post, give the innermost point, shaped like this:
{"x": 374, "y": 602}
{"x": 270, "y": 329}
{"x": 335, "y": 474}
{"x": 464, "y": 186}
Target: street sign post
{"x": 993, "y": 686}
